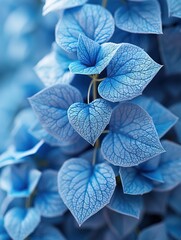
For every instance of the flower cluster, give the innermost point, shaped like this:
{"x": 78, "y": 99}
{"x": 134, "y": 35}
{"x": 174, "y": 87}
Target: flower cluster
{"x": 96, "y": 152}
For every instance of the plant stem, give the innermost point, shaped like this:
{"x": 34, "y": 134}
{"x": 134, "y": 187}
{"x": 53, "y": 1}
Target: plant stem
{"x": 104, "y": 3}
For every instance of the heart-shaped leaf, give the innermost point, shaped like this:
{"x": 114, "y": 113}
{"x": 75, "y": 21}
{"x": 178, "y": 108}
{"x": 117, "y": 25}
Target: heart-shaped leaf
{"x": 84, "y": 188}
{"x": 89, "y": 120}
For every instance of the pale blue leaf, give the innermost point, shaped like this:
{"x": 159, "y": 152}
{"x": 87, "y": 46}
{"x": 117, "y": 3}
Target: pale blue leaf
{"x": 91, "y": 20}
{"x": 173, "y": 225}
{"x": 19, "y": 181}
{"x": 156, "y": 232}
{"x": 170, "y": 166}
{"x": 174, "y": 8}
{"x": 93, "y": 58}
{"x": 125, "y": 204}
{"x": 55, "y": 5}
{"x": 163, "y": 119}
{"x": 53, "y": 68}
{"x": 142, "y": 17}
{"x": 21, "y": 222}
{"x": 133, "y": 182}
{"x": 170, "y": 53}
{"x": 47, "y": 232}
{"x": 132, "y": 138}
{"x": 84, "y": 188}
{"x": 89, "y": 120}
{"x": 51, "y": 105}
{"x": 128, "y": 73}
{"x": 47, "y": 200}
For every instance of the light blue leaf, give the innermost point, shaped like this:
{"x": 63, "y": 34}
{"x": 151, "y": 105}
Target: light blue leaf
{"x": 173, "y": 225}
{"x": 128, "y": 73}
{"x": 89, "y": 120}
{"x": 125, "y": 204}
{"x": 21, "y": 222}
{"x": 142, "y": 17}
{"x": 54, "y": 5}
{"x": 53, "y": 68}
{"x": 51, "y": 105}
{"x": 47, "y": 200}
{"x": 93, "y": 58}
{"x": 156, "y": 232}
{"x": 174, "y": 8}
{"x": 47, "y": 232}
{"x": 91, "y": 20}
{"x": 84, "y": 188}
{"x": 133, "y": 182}
{"x": 3, "y": 233}
{"x": 163, "y": 119}
{"x": 19, "y": 181}
{"x": 132, "y": 138}
{"x": 170, "y": 166}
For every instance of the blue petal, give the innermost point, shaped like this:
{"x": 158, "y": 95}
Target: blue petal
{"x": 47, "y": 200}
{"x": 93, "y": 58}
{"x": 170, "y": 166}
{"x": 142, "y": 17}
{"x": 128, "y": 73}
{"x": 51, "y": 106}
{"x": 54, "y": 5}
{"x": 20, "y": 222}
{"x": 125, "y": 204}
{"x": 132, "y": 138}
{"x": 156, "y": 232}
{"x": 174, "y": 8}
{"x": 89, "y": 120}
{"x": 47, "y": 232}
{"x": 93, "y": 21}
{"x": 53, "y": 68}
{"x": 163, "y": 119}
{"x": 84, "y": 188}
{"x": 133, "y": 182}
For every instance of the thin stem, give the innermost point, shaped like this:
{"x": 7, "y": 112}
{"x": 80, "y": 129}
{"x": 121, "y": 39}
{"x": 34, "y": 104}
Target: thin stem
{"x": 89, "y": 91}
{"x": 110, "y": 225}
{"x": 29, "y": 200}
{"x": 94, "y": 89}
{"x": 96, "y": 147}
{"x": 104, "y": 3}
{"x": 105, "y": 132}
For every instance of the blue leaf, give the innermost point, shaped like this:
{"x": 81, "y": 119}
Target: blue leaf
{"x": 84, "y": 188}
{"x": 155, "y": 176}
{"x": 163, "y": 119}
{"x": 47, "y": 200}
{"x": 54, "y": 5}
{"x": 125, "y": 204}
{"x": 132, "y": 138}
{"x": 142, "y": 17}
{"x": 173, "y": 225}
{"x": 20, "y": 222}
{"x": 93, "y": 58}
{"x": 170, "y": 166}
{"x": 128, "y": 73}
{"x": 91, "y": 20}
{"x": 46, "y": 232}
{"x": 174, "y": 8}
{"x": 51, "y": 105}
{"x": 176, "y": 109}
{"x": 19, "y": 181}
{"x": 53, "y": 68}
{"x": 175, "y": 199}
{"x": 156, "y": 232}
{"x": 89, "y": 120}
{"x": 3, "y": 233}
{"x": 133, "y": 182}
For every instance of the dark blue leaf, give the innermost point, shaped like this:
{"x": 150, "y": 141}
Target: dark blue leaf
{"x": 89, "y": 120}
{"x": 173, "y": 225}
{"x": 51, "y": 105}
{"x": 125, "y": 204}
{"x": 21, "y": 222}
{"x": 54, "y": 5}
{"x": 47, "y": 200}
{"x": 132, "y": 138}
{"x": 84, "y": 188}
{"x": 133, "y": 182}
{"x": 156, "y": 232}
{"x": 93, "y": 21}
{"x": 93, "y": 58}
{"x": 142, "y": 17}
{"x": 175, "y": 199}
{"x": 128, "y": 73}
{"x": 170, "y": 166}
{"x": 162, "y": 117}
{"x": 176, "y": 109}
